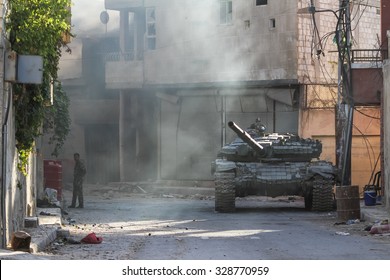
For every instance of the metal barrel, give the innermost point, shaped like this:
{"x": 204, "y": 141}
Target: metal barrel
{"x": 247, "y": 138}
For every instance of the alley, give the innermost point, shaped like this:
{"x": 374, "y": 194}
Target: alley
{"x": 137, "y": 226}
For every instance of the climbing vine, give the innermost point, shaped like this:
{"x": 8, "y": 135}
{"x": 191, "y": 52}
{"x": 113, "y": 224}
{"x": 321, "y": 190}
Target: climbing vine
{"x": 37, "y": 27}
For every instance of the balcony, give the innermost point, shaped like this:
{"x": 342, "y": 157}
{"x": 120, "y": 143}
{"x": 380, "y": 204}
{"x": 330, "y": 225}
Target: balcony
{"x": 366, "y": 75}
{"x": 368, "y": 55}
{"x": 123, "y": 4}
{"x": 123, "y": 71}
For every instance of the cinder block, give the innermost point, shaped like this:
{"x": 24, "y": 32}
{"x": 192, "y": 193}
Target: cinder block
{"x": 31, "y": 222}
{"x": 63, "y": 233}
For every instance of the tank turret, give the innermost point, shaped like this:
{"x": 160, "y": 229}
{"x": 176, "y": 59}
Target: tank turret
{"x": 254, "y": 144}
{"x": 247, "y": 139}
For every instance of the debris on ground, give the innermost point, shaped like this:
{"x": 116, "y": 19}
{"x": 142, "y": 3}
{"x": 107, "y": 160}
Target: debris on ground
{"x": 351, "y": 222}
{"x": 71, "y": 240}
{"x": 91, "y": 238}
{"x": 342, "y": 233}
{"x": 380, "y": 227}
{"x": 43, "y": 213}
{"x": 20, "y": 241}
{"x": 71, "y": 221}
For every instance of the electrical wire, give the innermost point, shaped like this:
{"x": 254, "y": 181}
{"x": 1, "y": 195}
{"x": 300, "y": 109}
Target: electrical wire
{"x": 366, "y": 115}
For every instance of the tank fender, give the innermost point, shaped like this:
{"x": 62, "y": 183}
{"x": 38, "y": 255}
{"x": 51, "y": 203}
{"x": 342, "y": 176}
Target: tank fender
{"x": 222, "y": 165}
{"x": 325, "y": 171}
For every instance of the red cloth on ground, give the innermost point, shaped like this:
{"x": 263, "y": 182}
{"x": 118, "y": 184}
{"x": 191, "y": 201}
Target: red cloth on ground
{"x": 92, "y": 239}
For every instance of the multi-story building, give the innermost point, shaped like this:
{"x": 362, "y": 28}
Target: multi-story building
{"x": 163, "y": 86}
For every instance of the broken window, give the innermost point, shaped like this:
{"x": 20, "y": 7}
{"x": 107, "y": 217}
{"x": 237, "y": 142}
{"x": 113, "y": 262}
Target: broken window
{"x": 150, "y": 29}
{"x": 226, "y": 11}
{"x": 261, "y": 2}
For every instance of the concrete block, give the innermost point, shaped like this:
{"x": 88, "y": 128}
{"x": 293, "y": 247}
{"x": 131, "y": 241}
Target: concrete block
{"x": 43, "y": 238}
{"x": 63, "y": 233}
{"x": 31, "y": 222}
{"x": 49, "y": 216}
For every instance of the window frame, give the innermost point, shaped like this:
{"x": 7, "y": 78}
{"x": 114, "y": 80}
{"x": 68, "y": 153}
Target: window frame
{"x": 261, "y": 3}
{"x": 150, "y": 33}
{"x": 225, "y": 12}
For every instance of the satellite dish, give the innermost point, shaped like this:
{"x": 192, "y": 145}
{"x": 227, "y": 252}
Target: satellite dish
{"x": 104, "y": 17}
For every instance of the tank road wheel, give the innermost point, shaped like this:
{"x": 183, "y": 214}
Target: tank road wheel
{"x": 225, "y": 193}
{"x": 322, "y": 195}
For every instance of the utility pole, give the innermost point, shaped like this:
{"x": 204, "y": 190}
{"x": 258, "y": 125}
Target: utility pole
{"x": 2, "y": 51}
{"x": 345, "y": 102}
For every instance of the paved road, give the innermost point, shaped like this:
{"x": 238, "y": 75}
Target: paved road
{"x": 140, "y": 227}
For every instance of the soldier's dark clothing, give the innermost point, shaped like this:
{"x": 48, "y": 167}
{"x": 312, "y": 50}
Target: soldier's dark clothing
{"x": 79, "y": 173}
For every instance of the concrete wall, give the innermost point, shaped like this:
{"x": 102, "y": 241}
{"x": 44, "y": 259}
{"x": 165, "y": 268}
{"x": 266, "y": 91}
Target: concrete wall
{"x": 194, "y": 47}
{"x": 386, "y": 131}
{"x": 320, "y": 124}
{"x": 18, "y": 193}
{"x": 192, "y": 130}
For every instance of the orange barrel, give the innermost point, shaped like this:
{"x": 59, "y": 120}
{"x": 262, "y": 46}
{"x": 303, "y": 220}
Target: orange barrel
{"x": 52, "y": 173}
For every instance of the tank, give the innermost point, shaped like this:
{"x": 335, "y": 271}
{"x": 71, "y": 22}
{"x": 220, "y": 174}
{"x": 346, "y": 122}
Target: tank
{"x": 272, "y": 164}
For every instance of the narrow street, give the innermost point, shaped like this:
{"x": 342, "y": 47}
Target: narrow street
{"x": 137, "y": 226}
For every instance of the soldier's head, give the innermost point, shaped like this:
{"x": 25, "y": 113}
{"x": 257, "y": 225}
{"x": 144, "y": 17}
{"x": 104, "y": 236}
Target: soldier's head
{"x": 76, "y": 156}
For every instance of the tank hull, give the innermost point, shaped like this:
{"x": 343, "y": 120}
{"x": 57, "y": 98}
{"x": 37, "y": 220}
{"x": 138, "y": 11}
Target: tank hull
{"x": 275, "y": 179}
{"x": 272, "y": 164}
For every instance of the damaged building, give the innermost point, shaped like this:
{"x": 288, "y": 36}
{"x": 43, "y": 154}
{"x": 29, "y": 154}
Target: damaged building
{"x": 151, "y": 97}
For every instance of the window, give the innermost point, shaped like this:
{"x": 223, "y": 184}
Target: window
{"x": 261, "y": 2}
{"x": 272, "y": 23}
{"x": 150, "y": 29}
{"x": 226, "y": 12}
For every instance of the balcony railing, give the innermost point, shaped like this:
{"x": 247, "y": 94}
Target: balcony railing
{"x": 368, "y": 55}
{"x": 123, "y": 70}
{"x": 119, "y": 56}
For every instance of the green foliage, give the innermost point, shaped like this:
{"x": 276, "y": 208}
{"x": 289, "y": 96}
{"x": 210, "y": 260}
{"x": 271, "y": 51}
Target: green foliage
{"x": 37, "y": 27}
{"x": 57, "y": 119}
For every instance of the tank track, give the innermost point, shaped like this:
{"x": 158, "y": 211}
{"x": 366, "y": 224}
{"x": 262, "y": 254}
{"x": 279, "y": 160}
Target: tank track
{"x": 322, "y": 195}
{"x": 225, "y": 194}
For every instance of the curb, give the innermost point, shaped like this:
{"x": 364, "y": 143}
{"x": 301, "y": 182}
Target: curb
{"x": 40, "y": 243}
{"x": 49, "y": 222}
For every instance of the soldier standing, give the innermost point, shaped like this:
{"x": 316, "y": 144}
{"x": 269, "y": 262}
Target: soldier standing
{"x": 78, "y": 177}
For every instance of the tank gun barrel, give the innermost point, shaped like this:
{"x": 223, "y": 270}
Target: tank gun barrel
{"x": 247, "y": 138}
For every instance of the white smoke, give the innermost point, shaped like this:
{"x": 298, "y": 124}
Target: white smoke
{"x": 86, "y": 18}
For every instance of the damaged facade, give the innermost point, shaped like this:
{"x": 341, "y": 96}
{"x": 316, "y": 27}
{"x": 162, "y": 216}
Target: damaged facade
{"x": 151, "y": 101}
